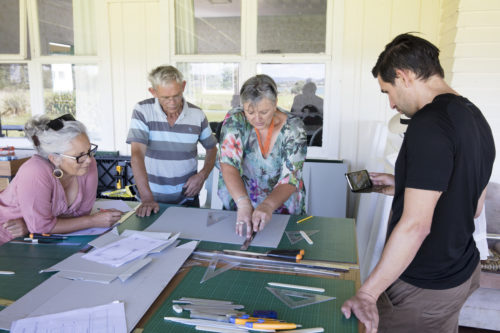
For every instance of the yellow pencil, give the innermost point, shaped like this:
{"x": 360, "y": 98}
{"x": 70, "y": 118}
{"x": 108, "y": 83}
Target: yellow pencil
{"x": 305, "y": 219}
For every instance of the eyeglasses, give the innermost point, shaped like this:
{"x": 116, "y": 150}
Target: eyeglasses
{"x": 57, "y": 124}
{"x": 175, "y": 98}
{"x": 83, "y": 157}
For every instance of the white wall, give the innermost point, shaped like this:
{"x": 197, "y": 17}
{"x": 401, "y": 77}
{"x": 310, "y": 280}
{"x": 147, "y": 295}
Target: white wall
{"x": 467, "y": 31}
{"x": 135, "y": 36}
{"x": 474, "y": 44}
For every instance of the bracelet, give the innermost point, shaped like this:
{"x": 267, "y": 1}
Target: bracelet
{"x": 243, "y": 197}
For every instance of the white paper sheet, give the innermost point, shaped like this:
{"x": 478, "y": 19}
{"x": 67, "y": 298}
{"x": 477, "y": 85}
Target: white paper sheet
{"x": 110, "y": 204}
{"x": 76, "y": 268}
{"x": 192, "y": 224}
{"x": 104, "y": 318}
{"x": 124, "y": 250}
{"x": 105, "y": 204}
{"x": 138, "y": 293}
{"x": 87, "y": 232}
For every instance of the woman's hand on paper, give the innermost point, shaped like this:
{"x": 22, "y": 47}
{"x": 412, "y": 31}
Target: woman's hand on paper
{"x": 106, "y": 217}
{"x": 244, "y": 218}
{"x": 261, "y": 216}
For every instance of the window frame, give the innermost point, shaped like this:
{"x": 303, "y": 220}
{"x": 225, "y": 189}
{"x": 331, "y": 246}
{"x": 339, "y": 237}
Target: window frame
{"x": 29, "y": 20}
{"x": 23, "y": 38}
{"x": 249, "y": 58}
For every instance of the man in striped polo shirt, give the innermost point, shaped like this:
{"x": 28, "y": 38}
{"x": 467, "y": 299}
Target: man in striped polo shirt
{"x": 164, "y": 133}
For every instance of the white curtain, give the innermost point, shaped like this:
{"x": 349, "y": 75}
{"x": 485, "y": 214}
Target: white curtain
{"x": 84, "y": 27}
{"x": 373, "y": 209}
{"x": 185, "y": 39}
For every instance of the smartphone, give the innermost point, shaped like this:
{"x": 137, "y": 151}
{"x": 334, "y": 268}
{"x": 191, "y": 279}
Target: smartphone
{"x": 359, "y": 181}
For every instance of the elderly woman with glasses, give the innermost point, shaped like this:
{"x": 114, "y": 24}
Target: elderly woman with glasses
{"x": 262, "y": 152}
{"x": 54, "y": 191}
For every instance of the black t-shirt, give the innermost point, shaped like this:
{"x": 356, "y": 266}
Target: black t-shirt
{"x": 448, "y": 147}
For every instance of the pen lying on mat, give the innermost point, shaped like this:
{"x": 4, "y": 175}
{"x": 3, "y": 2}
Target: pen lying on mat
{"x": 290, "y": 255}
{"x": 46, "y": 236}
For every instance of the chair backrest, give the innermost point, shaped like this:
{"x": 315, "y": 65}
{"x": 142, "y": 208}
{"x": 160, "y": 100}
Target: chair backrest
{"x": 216, "y": 127}
{"x": 313, "y": 120}
{"x": 309, "y": 108}
{"x": 317, "y": 138}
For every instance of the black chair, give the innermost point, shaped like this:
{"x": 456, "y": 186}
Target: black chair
{"x": 216, "y": 127}
{"x": 317, "y": 138}
{"x": 308, "y": 109}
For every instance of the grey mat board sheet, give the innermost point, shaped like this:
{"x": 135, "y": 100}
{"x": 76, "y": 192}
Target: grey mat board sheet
{"x": 192, "y": 224}
{"x": 138, "y": 293}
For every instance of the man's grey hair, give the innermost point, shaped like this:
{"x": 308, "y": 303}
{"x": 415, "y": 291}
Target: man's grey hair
{"x": 46, "y": 141}
{"x": 258, "y": 87}
{"x": 164, "y": 74}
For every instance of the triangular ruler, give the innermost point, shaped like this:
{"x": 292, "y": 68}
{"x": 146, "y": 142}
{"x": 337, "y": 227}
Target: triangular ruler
{"x": 295, "y": 236}
{"x": 213, "y": 271}
{"x": 214, "y": 217}
{"x": 297, "y": 299}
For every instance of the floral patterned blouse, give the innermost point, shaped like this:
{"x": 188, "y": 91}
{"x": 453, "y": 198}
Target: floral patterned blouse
{"x": 240, "y": 148}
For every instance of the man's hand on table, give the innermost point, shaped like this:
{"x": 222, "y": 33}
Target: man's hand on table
{"x": 364, "y": 307}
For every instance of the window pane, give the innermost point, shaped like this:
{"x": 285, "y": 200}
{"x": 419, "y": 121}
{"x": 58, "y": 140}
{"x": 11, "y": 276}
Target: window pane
{"x": 301, "y": 89}
{"x": 213, "y": 87}
{"x": 67, "y": 27}
{"x": 9, "y": 27}
{"x": 207, "y": 27}
{"x": 73, "y": 89}
{"x": 297, "y": 26}
{"x": 14, "y": 97}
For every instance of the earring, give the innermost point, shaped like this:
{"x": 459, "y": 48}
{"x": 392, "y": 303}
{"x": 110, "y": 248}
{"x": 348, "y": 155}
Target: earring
{"x": 58, "y": 173}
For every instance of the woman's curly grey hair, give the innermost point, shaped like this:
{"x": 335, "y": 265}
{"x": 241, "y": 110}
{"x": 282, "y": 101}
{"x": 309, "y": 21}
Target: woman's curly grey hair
{"x": 47, "y": 141}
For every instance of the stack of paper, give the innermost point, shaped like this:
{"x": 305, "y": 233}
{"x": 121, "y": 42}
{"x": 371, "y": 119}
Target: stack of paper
{"x": 115, "y": 256}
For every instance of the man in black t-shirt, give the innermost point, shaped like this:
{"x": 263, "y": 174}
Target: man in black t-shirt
{"x": 430, "y": 263}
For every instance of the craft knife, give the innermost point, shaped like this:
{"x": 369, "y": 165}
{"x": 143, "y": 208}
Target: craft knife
{"x": 245, "y": 245}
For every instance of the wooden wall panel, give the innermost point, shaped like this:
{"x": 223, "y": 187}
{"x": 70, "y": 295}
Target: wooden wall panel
{"x": 134, "y": 36}
{"x": 476, "y": 61}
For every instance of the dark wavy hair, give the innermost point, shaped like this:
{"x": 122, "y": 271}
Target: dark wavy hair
{"x": 411, "y": 53}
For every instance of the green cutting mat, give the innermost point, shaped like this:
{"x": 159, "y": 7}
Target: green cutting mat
{"x": 140, "y": 223}
{"x": 335, "y": 241}
{"x": 248, "y": 288}
{"x": 26, "y": 260}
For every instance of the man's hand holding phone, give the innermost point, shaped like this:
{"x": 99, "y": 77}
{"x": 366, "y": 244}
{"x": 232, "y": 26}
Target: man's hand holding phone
{"x": 364, "y": 182}
{"x": 382, "y": 182}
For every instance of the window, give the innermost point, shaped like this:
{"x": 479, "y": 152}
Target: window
{"x": 286, "y": 39}
{"x": 207, "y": 27}
{"x": 10, "y": 42}
{"x": 213, "y": 87}
{"x": 301, "y": 90}
{"x": 66, "y": 27}
{"x": 15, "y": 107}
{"x": 60, "y": 31}
{"x": 291, "y": 26}
{"x": 70, "y": 88}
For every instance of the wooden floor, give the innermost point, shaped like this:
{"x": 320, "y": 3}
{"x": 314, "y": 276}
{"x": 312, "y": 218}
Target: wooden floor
{"x": 462, "y": 329}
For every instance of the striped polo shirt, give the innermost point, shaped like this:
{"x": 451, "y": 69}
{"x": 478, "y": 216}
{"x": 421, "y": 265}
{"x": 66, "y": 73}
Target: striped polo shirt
{"x": 171, "y": 154}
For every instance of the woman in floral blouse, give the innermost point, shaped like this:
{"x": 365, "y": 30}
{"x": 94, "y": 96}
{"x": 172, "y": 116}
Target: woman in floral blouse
{"x": 262, "y": 153}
